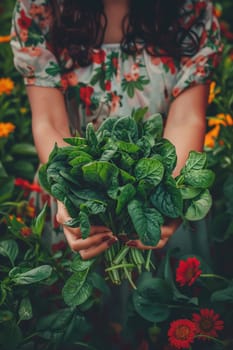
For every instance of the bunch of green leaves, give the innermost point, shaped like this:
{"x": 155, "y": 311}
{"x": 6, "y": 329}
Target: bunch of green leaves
{"x": 33, "y": 313}
{"x": 121, "y": 176}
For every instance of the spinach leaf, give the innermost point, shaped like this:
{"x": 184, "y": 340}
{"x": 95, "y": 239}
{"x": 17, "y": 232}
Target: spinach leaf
{"x": 167, "y": 198}
{"x": 100, "y": 173}
{"x": 150, "y": 170}
{"x": 147, "y": 222}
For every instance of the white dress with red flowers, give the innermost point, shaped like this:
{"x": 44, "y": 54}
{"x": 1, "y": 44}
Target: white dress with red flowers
{"x": 114, "y": 83}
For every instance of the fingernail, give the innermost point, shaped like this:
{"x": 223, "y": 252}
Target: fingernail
{"x": 111, "y": 241}
{"x": 132, "y": 244}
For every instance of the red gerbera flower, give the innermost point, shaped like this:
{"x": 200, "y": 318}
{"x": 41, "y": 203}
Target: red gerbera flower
{"x": 207, "y": 323}
{"x": 188, "y": 271}
{"x": 181, "y": 333}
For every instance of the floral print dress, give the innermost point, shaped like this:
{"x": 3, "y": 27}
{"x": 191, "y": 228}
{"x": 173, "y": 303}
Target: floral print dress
{"x": 114, "y": 83}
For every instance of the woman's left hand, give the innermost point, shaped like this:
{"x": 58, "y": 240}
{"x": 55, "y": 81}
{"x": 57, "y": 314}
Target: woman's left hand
{"x": 166, "y": 232}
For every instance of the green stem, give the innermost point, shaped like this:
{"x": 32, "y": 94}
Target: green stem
{"x": 211, "y": 275}
{"x": 128, "y": 275}
{"x": 210, "y": 338}
{"x": 120, "y": 266}
{"x": 148, "y": 258}
{"x": 183, "y": 307}
{"x": 180, "y": 180}
{"x": 84, "y": 345}
{"x": 121, "y": 255}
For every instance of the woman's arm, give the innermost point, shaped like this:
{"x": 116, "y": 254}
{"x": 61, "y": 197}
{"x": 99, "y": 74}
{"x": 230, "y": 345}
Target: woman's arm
{"x": 185, "y": 128}
{"x": 49, "y": 119}
{"x": 186, "y": 123}
{"x": 50, "y": 124}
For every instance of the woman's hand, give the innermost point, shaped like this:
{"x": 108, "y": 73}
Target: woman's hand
{"x": 100, "y": 239}
{"x": 166, "y": 232}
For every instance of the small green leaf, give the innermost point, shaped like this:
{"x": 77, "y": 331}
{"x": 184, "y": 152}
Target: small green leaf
{"x": 25, "y": 309}
{"x": 195, "y": 161}
{"x": 76, "y": 289}
{"x": 150, "y": 170}
{"x": 35, "y": 275}
{"x": 85, "y": 225}
{"x": 38, "y": 224}
{"x": 202, "y": 178}
{"x": 100, "y": 173}
{"x": 78, "y": 264}
{"x": 146, "y": 221}
{"x": 188, "y": 192}
{"x": 198, "y": 207}
{"x": 223, "y": 295}
{"x": 125, "y": 129}
{"x": 167, "y": 199}
{"x": 153, "y": 126}
{"x": 9, "y": 249}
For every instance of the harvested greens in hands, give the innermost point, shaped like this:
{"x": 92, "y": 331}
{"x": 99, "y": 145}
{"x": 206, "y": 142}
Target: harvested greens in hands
{"x": 120, "y": 176}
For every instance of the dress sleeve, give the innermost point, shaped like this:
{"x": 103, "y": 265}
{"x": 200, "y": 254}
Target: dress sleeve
{"x": 199, "y": 17}
{"x": 32, "y": 53}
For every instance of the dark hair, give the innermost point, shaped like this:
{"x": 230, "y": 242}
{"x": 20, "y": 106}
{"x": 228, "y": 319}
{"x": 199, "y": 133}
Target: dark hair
{"x": 81, "y": 25}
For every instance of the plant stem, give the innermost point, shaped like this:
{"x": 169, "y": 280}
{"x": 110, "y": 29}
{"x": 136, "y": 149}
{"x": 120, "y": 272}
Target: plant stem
{"x": 121, "y": 255}
{"x": 211, "y": 275}
{"x": 84, "y": 345}
{"x": 120, "y": 266}
{"x": 210, "y": 338}
{"x": 128, "y": 275}
{"x": 147, "y": 265}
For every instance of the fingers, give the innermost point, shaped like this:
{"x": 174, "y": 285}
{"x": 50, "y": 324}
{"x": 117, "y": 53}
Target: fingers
{"x": 139, "y": 245}
{"x": 96, "y": 250}
{"x": 166, "y": 232}
{"x": 78, "y": 243}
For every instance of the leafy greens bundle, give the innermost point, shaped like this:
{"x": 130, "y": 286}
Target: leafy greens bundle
{"x": 120, "y": 176}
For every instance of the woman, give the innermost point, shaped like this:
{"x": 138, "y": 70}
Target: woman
{"x": 85, "y": 60}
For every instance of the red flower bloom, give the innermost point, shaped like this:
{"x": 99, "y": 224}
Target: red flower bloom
{"x": 188, "y": 271}
{"x": 24, "y": 22}
{"x": 26, "y": 231}
{"x": 27, "y": 186}
{"x": 85, "y": 95}
{"x": 115, "y": 62}
{"x": 98, "y": 56}
{"x": 207, "y": 323}
{"x": 61, "y": 245}
{"x": 181, "y": 333}
{"x": 169, "y": 62}
{"x": 108, "y": 85}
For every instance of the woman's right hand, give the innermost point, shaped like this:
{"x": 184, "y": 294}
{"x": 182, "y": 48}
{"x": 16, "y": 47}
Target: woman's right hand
{"x": 100, "y": 239}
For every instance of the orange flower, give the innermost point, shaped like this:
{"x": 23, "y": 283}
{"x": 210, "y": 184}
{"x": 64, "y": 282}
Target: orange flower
{"x": 31, "y": 211}
{"x": 211, "y": 136}
{"x": 6, "y": 86}
{"x": 6, "y": 129}
{"x": 218, "y": 10}
{"x": 213, "y": 92}
{"x": 5, "y": 39}
{"x": 221, "y": 118}
{"x": 181, "y": 333}
{"x": 18, "y": 218}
